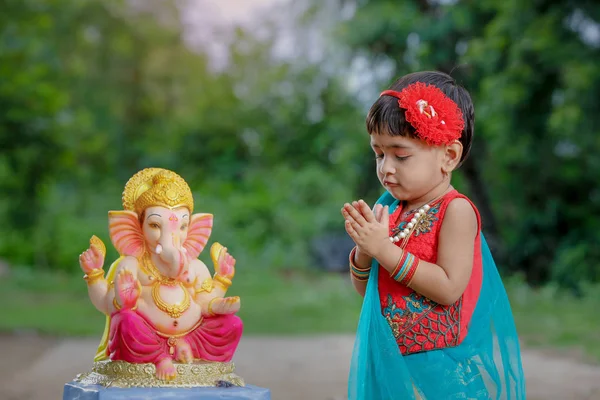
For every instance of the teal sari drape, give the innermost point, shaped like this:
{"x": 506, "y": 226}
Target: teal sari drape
{"x": 486, "y": 365}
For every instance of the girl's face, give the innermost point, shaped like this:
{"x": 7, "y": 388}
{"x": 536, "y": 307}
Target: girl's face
{"x": 408, "y": 168}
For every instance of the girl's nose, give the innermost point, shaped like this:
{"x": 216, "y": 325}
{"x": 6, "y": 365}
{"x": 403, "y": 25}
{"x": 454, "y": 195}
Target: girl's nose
{"x": 386, "y": 166}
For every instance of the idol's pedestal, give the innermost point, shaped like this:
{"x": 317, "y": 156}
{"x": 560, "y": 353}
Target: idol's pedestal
{"x": 74, "y": 390}
{"x": 118, "y": 380}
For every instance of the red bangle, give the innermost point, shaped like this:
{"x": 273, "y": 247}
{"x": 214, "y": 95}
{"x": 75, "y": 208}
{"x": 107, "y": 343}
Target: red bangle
{"x": 409, "y": 275}
{"x": 399, "y": 265}
{"x": 405, "y": 269}
{"x": 353, "y": 265}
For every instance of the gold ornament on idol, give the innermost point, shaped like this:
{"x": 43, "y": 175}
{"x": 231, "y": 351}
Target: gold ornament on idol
{"x": 156, "y": 187}
{"x": 97, "y": 274}
{"x": 173, "y": 310}
{"x": 153, "y": 187}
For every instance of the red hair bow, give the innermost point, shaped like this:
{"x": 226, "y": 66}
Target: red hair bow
{"x": 436, "y": 118}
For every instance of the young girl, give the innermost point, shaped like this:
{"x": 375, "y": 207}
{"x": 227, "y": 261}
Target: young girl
{"x": 436, "y": 323}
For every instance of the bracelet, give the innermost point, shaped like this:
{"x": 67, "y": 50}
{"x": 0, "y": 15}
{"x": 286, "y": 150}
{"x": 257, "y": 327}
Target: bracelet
{"x": 360, "y": 274}
{"x": 118, "y": 307}
{"x": 210, "y": 311}
{"x": 409, "y": 276}
{"x": 225, "y": 282}
{"x": 353, "y": 265}
{"x": 94, "y": 276}
{"x": 406, "y": 268}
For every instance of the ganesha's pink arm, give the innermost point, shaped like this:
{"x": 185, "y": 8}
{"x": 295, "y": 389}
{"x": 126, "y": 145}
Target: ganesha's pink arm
{"x": 204, "y": 298}
{"x": 205, "y": 288}
{"x": 126, "y": 285}
{"x": 102, "y": 291}
{"x": 98, "y": 293}
{"x": 91, "y": 262}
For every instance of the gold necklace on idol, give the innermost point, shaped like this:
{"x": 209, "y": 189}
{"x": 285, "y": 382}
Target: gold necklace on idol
{"x": 173, "y": 310}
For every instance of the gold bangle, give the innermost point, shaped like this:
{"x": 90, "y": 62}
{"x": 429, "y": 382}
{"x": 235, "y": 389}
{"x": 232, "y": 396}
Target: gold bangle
{"x": 210, "y": 311}
{"x": 225, "y": 282}
{"x": 94, "y": 276}
{"x": 118, "y": 307}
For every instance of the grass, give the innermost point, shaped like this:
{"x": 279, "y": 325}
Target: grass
{"x": 272, "y": 303}
{"x": 299, "y": 303}
{"x": 552, "y": 318}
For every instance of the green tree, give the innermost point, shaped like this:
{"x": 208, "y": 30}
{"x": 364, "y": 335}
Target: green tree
{"x": 532, "y": 70}
{"x": 256, "y": 140}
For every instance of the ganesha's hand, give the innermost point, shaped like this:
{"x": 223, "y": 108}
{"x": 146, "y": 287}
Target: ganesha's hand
{"x": 224, "y": 305}
{"x": 129, "y": 289}
{"x": 91, "y": 261}
{"x": 223, "y": 261}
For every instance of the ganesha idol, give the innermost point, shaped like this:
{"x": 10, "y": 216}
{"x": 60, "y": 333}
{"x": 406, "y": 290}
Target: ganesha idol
{"x": 168, "y": 321}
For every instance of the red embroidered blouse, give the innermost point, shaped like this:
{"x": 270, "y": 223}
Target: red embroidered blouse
{"x": 419, "y": 324}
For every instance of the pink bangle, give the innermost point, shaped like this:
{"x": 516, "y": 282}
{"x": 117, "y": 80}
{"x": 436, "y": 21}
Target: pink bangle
{"x": 353, "y": 265}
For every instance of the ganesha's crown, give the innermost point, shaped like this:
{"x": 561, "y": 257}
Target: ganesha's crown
{"x": 156, "y": 187}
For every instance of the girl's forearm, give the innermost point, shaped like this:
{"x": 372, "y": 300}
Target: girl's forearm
{"x": 361, "y": 261}
{"x": 429, "y": 279}
{"x": 359, "y": 285}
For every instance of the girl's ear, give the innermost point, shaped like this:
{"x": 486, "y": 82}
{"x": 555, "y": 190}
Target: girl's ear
{"x": 453, "y": 153}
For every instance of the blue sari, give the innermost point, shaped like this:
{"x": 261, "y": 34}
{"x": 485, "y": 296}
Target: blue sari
{"x": 486, "y": 365}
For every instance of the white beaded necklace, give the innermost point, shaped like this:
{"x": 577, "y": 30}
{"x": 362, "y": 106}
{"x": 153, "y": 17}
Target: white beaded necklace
{"x": 414, "y": 222}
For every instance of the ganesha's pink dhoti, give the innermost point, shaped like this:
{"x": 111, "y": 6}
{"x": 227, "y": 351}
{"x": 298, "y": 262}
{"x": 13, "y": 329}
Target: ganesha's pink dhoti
{"x": 134, "y": 339}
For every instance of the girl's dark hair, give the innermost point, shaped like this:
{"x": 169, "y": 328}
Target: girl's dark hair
{"x": 386, "y": 117}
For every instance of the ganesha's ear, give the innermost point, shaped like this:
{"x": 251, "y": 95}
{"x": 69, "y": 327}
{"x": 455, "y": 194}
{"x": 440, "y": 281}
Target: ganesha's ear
{"x": 126, "y": 233}
{"x": 198, "y": 234}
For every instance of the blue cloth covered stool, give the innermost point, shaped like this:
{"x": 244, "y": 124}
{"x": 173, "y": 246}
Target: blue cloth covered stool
{"x": 75, "y": 390}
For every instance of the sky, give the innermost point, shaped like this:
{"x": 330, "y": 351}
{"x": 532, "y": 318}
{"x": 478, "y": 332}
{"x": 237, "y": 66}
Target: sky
{"x": 234, "y": 11}
{"x": 207, "y": 21}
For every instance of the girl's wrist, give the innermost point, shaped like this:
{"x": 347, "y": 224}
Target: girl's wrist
{"x": 385, "y": 247}
{"x": 361, "y": 259}
{"x": 387, "y": 255}
{"x": 359, "y": 272}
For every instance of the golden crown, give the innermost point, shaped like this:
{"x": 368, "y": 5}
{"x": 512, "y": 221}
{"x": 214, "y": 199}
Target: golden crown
{"x": 156, "y": 187}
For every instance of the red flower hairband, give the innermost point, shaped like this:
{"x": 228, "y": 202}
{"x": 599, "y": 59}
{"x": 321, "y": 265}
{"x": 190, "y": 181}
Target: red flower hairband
{"x": 436, "y": 118}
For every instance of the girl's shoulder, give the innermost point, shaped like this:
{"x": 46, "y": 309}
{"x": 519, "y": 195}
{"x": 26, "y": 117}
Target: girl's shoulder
{"x": 460, "y": 210}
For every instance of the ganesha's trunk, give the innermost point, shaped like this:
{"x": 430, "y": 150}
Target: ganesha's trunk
{"x": 179, "y": 265}
{"x": 171, "y": 253}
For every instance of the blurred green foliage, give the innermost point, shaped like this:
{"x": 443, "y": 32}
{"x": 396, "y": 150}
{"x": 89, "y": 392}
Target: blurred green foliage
{"x": 93, "y": 91}
{"x": 532, "y": 69}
